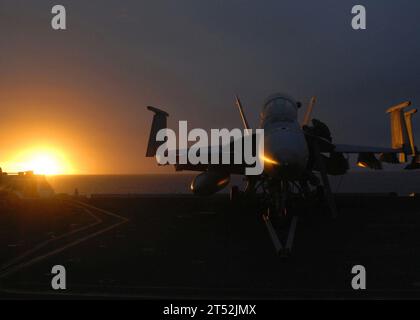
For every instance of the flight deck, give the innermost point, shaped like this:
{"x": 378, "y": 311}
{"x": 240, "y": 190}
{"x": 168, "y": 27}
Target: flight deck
{"x": 179, "y": 246}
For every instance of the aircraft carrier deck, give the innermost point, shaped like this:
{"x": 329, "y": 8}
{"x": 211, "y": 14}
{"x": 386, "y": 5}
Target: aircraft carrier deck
{"x": 162, "y": 246}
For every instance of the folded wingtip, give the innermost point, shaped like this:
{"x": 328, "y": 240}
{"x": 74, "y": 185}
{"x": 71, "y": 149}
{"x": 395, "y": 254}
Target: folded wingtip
{"x": 157, "y": 111}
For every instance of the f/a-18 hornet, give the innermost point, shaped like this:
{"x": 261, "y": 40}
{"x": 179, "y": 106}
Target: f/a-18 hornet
{"x": 297, "y": 156}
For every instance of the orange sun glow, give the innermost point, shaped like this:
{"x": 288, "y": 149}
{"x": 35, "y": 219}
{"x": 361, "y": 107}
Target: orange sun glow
{"x": 44, "y": 161}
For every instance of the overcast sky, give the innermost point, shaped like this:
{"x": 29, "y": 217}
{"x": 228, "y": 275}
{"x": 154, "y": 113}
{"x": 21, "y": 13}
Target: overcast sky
{"x": 85, "y": 89}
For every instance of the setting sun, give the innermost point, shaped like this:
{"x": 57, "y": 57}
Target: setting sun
{"x": 45, "y": 161}
{"x": 45, "y": 164}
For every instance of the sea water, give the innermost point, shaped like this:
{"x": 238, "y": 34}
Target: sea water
{"x": 401, "y": 182}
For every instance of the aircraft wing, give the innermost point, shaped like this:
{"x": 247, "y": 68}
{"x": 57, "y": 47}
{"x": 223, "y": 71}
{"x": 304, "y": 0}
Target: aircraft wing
{"x": 230, "y": 168}
{"x": 347, "y": 148}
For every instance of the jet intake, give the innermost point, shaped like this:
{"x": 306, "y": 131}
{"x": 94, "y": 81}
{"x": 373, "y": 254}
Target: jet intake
{"x": 368, "y": 160}
{"x": 209, "y": 182}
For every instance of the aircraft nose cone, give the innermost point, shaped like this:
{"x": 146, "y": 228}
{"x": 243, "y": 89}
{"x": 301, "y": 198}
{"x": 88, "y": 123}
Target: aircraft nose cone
{"x": 284, "y": 159}
{"x": 283, "y": 167}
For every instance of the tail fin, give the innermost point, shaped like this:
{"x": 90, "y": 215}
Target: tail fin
{"x": 159, "y": 122}
{"x": 242, "y": 113}
{"x": 399, "y": 132}
{"x": 308, "y": 113}
{"x": 407, "y": 116}
{"x": 415, "y": 163}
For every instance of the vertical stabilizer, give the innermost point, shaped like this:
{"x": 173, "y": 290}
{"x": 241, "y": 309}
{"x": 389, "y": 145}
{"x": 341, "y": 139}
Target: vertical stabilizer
{"x": 408, "y": 115}
{"x": 159, "y": 122}
{"x": 308, "y": 113}
{"x": 242, "y": 113}
{"x": 399, "y": 133}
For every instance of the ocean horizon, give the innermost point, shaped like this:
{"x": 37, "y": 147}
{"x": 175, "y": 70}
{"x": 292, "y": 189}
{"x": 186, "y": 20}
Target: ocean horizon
{"x": 401, "y": 182}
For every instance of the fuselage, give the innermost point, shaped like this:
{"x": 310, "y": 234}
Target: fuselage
{"x": 285, "y": 147}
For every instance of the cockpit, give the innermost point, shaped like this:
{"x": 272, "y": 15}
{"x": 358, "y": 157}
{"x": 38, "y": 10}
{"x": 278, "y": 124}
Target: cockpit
{"x": 278, "y": 108}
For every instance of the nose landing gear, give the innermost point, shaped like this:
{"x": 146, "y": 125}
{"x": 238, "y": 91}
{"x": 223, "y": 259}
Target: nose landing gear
{"x": 281, "y": 226}
{"x": 284, "y": 250}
